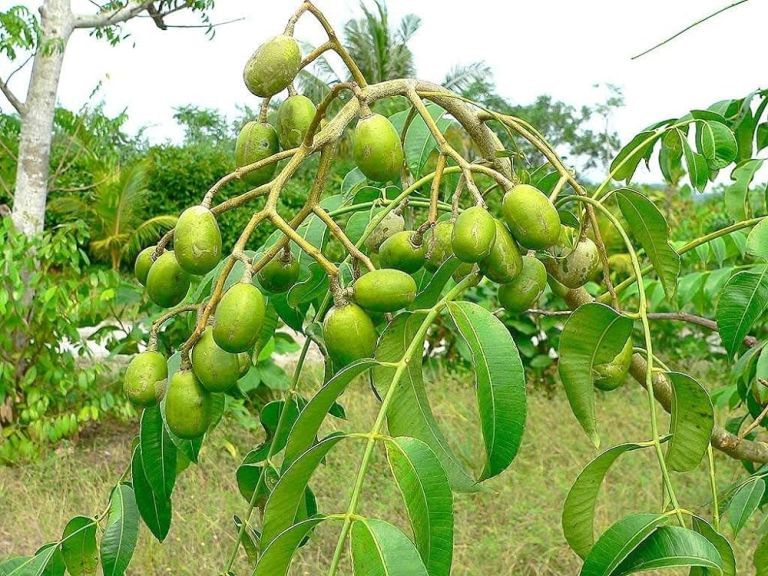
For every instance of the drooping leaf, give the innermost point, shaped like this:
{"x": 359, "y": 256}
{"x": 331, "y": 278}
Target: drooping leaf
{"x": 716, "y": 143}
{"x": 695, "y": 163}
{"x": 428, "y": 499}
{"x": 311, "y": 417}
{"x": 742, "y": 301}
{"x": 757, "y": 241}
{"x": 500, "y": 382}
{"x": 250, "y": 540}
{"x": 78, "y": 546}
{"x": 430, "y": 294}
{"x": 288, "y": 494}
{"x": 579, "y": 506}
{"x": 723, "y": 547}
{"x": 594, "y": 334}
{"x": 381, "y": 549}
{"x": 641, "y": 146}
{"x": 409, "y": 412}
{"x": 691, "y": 423}
{"x": 671, "y": 546}
{"x": 158, "y": 453}
{"x": 276, "y": 557}
{"x": 154, "y": 507}
{"x": 30, "y": 565}
{"x": 760, "y": 559}
{"x": 736, "y": 194}
{"x": 650, "y": 228}
{"x": 121, "y": 533}
{"x": 744, "y": 503}
{"x": 618, "y": 542}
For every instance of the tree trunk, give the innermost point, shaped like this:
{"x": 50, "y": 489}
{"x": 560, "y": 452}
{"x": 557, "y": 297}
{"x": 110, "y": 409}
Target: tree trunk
{"x": 37, "y": 122}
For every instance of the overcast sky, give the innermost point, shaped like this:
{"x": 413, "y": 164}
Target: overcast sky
{"x": 557, "y": 47}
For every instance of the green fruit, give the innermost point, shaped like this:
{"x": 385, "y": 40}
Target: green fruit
{"x": 391, "y": 224}
{"x": 279, "y": 274}
{"x": 239, "y": 318}
{"x": 462, "y": 271}
{"x": 384, "y": 290}
{"x": 620, "y": 265}
{"x": 611, "y": 375}
{"x": 167, "y": 283}
{"x": 243, "y": 363}
{"x": 143, "y": 264}
{"x": 578, "y": 265}
{"x": 349, "y": 334}
{"x": 145, "y": 377}
{"x": 473, "y": 234}
{"x": 273, "y": 66}
{"x": 293, "y": 120}
{"x": 255, "y": 142}
{"x": 504, "y": 263}
{"x": 187, "y": 406}
{"x": 377, "y": 149}
{"x": 439, "y": 245}
{"x": 216, "y": 369}
{"x": 197, "y": 240}
{"x": 531, "y": 217}
{"x": 398, "y": 251}
{"x": 526, "y": 288}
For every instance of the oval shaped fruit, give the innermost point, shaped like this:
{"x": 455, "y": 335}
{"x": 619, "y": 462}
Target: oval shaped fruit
{"x": 243, "y": 363}
{"x": 531, "y": 217}
{"x": 293, "y": 120}
{"x": 391, "y": 224}
{"x": 611, "y": 375}
{"x": 578, "y": 266}
{"x": 143, "y": 264}
{"x": 526, "y": 288}
{"x": 273, "y": 66}
{"x": 197, "y": 240}
{"x": 504, "y": 261}
{"x": 256, "y": 141}
{"x": 239, "y": 318}
{"x": 349, "y": 334}
{"x": 144, "y": 378}
{"x": 473, "y": 234}
{"x": 279, "y": 274}
{"x": 384, "y": 290}
{"x": 167, "y": 282}
{"x": 399, "y": 252}
{"x": 438, "y": 243}
{"x": 216, "y": 369}
{"x": 377, "y": 149}
{"x": 187, "y": 406}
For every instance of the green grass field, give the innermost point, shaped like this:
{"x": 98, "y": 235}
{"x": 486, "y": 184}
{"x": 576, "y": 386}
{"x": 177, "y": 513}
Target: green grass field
{"x": 513, "y": 528}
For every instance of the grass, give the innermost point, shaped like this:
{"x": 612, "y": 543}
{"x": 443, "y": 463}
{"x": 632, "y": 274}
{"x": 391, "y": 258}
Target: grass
{"x": 512, "y": 528}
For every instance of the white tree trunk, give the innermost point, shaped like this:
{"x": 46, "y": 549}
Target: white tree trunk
{"x": 37, "y": 121}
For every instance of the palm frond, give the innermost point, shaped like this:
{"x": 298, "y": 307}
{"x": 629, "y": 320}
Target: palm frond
{"x": 462, "y": 78}
{"x": 147, "y": 233}
{"x": 409, "y": 25}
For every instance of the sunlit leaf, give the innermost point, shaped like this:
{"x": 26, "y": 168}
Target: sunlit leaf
{"x": 158, "y": 453}
{"x": 691, "y": 423}
{"x": 736, "y": 194}
{"x": 744, "y": 503}
{"x": 78, "y": 546}
{"x": 154, "y": 507}
{"x": 276, "y": 557}
{"x": 743, "y": 299}
{"x": 618, "y": 542}
{"x": 121, "y": 532}
{"x": 760, "y": 559}
{"x": 716, "y": 143}
{"x": 723, "y": 547}
{"x": 379, "y": 548}
{"x": 757, "y": 241}
{"x": 671, "y": 546}
{"x": 641, "y": 146}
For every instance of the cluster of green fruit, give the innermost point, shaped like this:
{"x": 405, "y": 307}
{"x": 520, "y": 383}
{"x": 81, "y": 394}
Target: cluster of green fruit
{"x": 480, "y": 242}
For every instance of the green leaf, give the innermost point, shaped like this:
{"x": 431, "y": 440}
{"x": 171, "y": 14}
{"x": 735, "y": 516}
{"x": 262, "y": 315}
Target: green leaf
{"x": 288, "y": 494}
{"x": 154, "y": 508}
{"x": 250, "y": 540}
{"x": 579, "y": 506}
{"x": 409, "y": 412}
{"x": 29, "y": 566}
{"x": 762, "y": 136}
{"x": 760, "y": 559}
{"x": 742, "y": 301}
{"x": 594, "y": 334}
{"x": 737, "y": 194}
{"x": 744, "y": 503}
{"x": 353, "y": 181}
{"x": 500, "y": 383}
{"x": 625, "y": 164}
{"x": 121, "y": 533}
{"x": 158, "y": 453}
{"x": 695, "y": 163}
{"x": 671, "y": 546}
{"x": 757, "y": 241}
{"x": 618, "y": 542}
{"x": 311, "y": 417}
{"x": 716, "y": 143}
{"x": 381, "y": 549}
{"x": 430, "y": 294}
{"x": 276, "y": 558}
{"x": 427, "y": 495}
{"x": 650, "y": 228}
{"x": 720, "y": 542}
{"x": 78, "y": 546}
{"x": 691, "y": 423}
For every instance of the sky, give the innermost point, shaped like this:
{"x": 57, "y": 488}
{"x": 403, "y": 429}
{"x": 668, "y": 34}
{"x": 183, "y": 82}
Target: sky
{"x": 558, "y": 47}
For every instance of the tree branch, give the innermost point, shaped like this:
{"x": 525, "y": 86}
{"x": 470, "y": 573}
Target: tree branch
{"x": 15, "y": 102}
{"x": 749, "y": 341}
{"x": 112, "y": 17}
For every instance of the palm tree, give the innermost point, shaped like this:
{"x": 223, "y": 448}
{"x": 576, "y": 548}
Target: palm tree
{"x": 114, "y": 211}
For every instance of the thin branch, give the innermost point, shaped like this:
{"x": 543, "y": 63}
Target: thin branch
{"x": 203, "y": 25}
{"x": 112, "y": 17}
{"x": 18, "y": 68}
{"x": 687, "y": 28}
{"x": 749, "y": 341}
{"x": 15, "y": 102}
